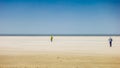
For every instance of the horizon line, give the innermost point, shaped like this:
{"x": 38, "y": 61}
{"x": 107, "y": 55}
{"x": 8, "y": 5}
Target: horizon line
{"x": 60, "y": 34}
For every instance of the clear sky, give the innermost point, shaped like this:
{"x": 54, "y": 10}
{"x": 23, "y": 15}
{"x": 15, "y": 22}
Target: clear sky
{"x": 59, "y": 16}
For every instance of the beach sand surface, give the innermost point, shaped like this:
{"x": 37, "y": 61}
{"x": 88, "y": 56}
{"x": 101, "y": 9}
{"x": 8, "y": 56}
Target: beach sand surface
{"x": 63, "y": 52}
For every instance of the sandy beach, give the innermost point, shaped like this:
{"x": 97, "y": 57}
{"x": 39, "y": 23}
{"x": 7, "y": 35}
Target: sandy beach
{"x": 63, "y": 52}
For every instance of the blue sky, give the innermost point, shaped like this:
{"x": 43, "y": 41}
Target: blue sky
{"x": 59, "y": 16}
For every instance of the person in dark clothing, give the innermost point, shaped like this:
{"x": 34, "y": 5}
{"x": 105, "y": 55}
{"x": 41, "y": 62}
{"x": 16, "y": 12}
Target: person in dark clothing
{"x": 110, "y": 41}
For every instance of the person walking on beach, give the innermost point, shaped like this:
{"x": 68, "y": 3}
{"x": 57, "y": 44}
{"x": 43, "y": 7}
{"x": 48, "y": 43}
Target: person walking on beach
{"x": 110, "y": 41}
{"x": 51, "y": 38}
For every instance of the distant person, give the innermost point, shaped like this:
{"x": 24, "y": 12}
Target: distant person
{"x": 110, "y": 41}
{"x": 51, "y": 38}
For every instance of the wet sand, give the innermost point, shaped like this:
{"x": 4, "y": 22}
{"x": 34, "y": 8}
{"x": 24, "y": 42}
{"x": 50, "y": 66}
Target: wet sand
{"x": 63, "y": 52}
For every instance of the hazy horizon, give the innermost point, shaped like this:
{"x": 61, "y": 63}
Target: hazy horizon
{"x": 60, "y": 34}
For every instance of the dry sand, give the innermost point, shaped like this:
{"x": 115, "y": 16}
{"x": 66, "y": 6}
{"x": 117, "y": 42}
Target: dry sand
{"x": 63, "y": 52}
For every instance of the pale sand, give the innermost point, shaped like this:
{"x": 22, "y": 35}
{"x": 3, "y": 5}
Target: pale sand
{"x": 63, "y": 52}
